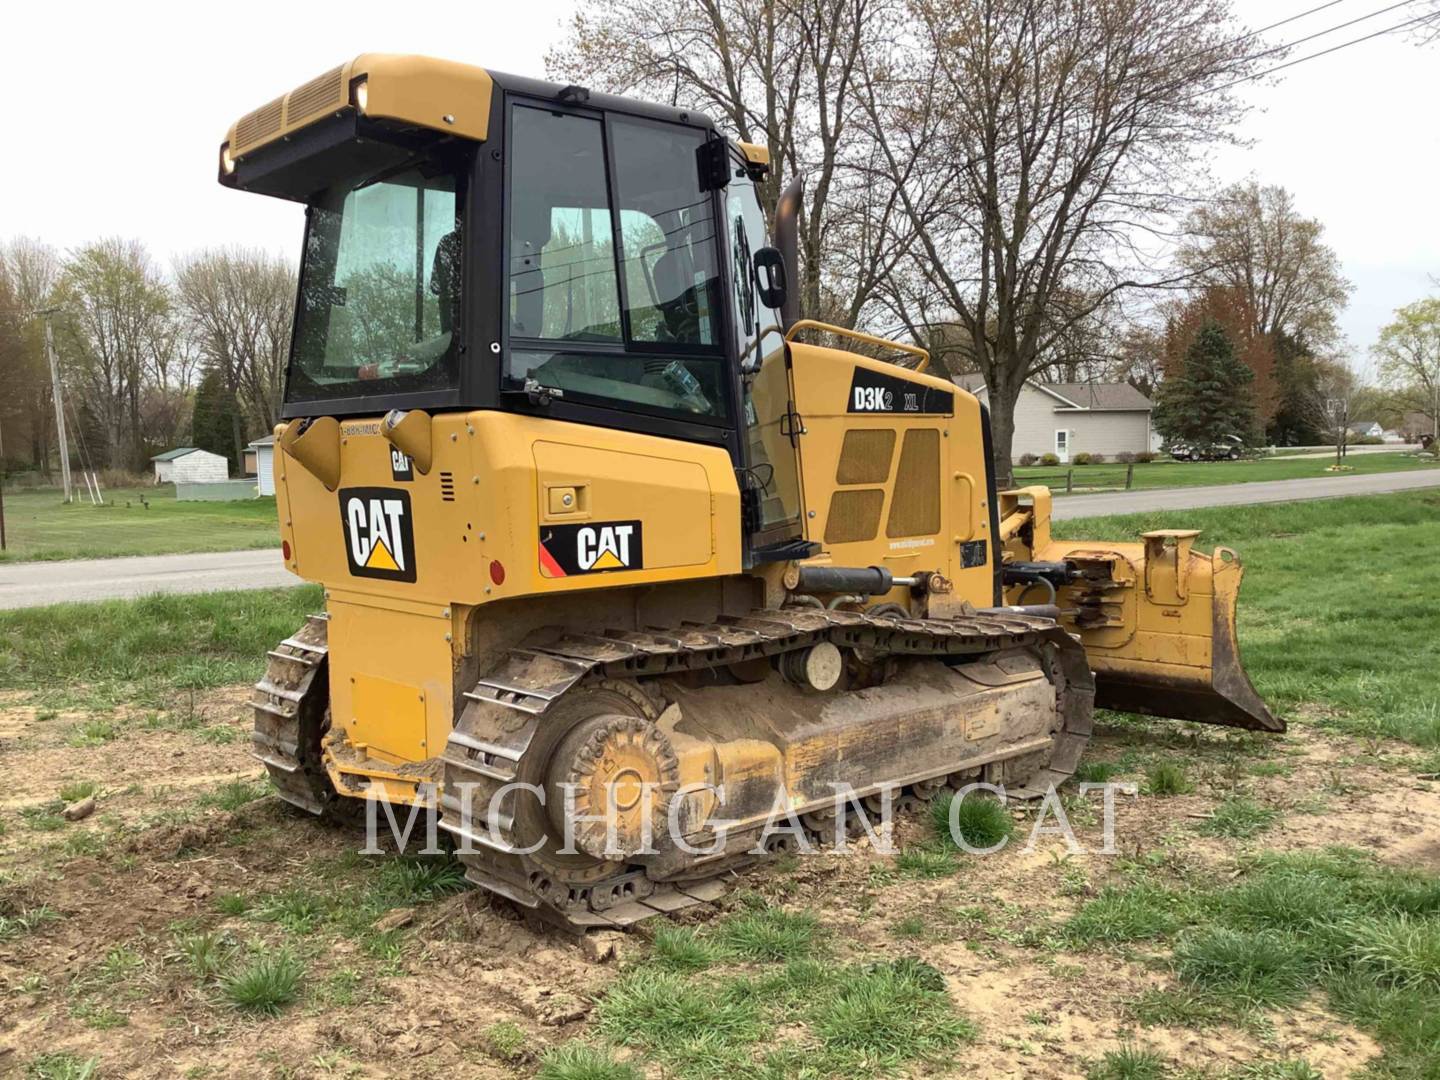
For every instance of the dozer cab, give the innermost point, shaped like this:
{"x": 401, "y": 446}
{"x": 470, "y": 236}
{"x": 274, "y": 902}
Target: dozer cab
{"x": 621, "y": 557}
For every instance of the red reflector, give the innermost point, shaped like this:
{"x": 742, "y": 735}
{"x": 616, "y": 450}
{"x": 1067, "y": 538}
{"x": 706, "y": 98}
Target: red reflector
{"x": 285, "y": 549}
{"x": 497, "y": 572}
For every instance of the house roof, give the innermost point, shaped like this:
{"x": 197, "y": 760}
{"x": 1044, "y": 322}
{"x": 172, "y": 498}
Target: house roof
{"x": 178, "y": 452}
{"x": 1088, "y": 397}
{"x": 268, "y": 440}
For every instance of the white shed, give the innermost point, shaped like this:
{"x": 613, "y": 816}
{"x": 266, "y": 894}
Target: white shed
{"x": 264, "y": 455}
{"x": 188, "y": 464}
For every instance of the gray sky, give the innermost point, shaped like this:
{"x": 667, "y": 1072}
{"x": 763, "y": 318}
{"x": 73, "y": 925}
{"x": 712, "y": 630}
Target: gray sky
{"x": 115, "y": 111}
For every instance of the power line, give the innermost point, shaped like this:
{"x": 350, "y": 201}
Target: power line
{"x": 1282, "y": 22}
{"x": 1328, "y": 30}
{"x": 1323, "y": 52}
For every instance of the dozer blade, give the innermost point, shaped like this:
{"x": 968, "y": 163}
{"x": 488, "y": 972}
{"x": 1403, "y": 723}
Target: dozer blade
{"x": 1157, "y": 620}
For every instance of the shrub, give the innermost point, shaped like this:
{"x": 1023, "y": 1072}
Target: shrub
{"x": 1097, "y": 459}
{"x": 1049, "y": 459}
{"x": 1145, "y": 457}
{"x": 1026, "y": 460}
{"x": 1125, "y": 457}
{"x": 1082, "y": 459}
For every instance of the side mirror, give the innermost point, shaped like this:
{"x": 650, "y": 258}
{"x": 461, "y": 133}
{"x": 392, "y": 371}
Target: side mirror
{"x": 770, "y": 277}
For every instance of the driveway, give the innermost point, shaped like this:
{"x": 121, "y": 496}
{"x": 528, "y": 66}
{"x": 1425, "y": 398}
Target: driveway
{"x": 38, "y": 583}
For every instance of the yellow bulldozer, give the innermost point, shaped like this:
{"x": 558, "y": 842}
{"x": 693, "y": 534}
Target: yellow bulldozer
{"x": 621, "y": 556}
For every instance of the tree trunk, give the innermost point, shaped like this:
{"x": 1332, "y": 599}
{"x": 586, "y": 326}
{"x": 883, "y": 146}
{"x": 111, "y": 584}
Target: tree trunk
{"x": 1002, "y": 432}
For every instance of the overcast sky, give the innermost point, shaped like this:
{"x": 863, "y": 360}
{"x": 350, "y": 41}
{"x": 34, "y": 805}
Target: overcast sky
{"x": 114, "y": 113}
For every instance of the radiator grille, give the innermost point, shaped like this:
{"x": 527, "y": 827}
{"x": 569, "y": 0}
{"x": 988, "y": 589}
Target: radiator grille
{"x": 447, "y": 487}
{"x": 915, "y": 509}
{"x": 854, "y": 515}
{"x": 260, "y": 124}
{"x": 324, "y": 92}
{"x": 865, "y": 457}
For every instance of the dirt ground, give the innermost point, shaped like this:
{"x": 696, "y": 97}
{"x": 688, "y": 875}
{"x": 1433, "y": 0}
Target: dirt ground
{"x": 97, "y": 973}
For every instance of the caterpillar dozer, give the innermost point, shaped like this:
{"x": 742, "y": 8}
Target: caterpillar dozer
{"x": 621, "y": 556}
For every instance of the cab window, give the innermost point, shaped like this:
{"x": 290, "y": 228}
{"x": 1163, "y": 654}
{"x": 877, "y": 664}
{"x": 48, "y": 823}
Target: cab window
{"x": 613, "y": 275}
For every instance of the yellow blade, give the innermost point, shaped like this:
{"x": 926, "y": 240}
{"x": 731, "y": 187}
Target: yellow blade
{"x": 1158, "y": 624}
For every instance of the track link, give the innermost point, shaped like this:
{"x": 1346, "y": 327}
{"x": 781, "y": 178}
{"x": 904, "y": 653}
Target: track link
{"x": 491, "y": 745}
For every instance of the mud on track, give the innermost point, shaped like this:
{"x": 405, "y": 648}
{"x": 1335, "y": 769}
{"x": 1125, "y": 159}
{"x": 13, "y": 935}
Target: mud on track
{"x": 184, "y": 844}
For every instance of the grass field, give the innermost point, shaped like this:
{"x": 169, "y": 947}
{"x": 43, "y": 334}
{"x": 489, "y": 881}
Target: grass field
{"x": 1173, "y": 474}
{"x": 39, "y": 525}
{"x": 1273, "y": 912}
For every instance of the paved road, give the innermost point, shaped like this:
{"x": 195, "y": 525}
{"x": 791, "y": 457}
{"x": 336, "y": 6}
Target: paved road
{"x": 39, "y": 583}
{"x": 1266, "y": 491}
{"x": 1387, "y": 448}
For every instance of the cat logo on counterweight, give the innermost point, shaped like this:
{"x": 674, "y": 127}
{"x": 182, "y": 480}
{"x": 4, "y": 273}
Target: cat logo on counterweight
{"x": 592, "y": 548}
{"x": 379, "y": 535}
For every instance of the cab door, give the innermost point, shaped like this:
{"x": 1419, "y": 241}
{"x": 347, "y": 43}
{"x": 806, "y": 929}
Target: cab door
{"x": 771, "y": 434}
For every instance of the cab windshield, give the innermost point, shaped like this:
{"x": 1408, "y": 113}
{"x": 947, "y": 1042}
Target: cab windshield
{"x": 380, "y": 290}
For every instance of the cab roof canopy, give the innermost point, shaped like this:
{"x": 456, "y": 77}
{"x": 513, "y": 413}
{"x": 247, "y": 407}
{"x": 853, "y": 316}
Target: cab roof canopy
{"x": 327, "y": 128}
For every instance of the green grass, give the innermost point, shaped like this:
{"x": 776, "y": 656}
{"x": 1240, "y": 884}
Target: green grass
{"x": 265, "y": 983}
{"x": 24, "y": 921}
{"x": 1176, "y": 474}
{"x": 1239, "y": 818}
{"x": 771, "y": 934}
{"x": 80, "y": 789}
{"x": 233, "y": 794}
{"x": 577, "y": 1061}
{"x": 147, "y": 651}
{"x": 1337, "y": 614}
{"x": 1129, "y": 1063}
{"x": 62, "y": 1066}
{"x": 39, "y": 525}
{"x": 981, "y": 821}
{"x": 1292, "y": 924}
{"x": 1167, "y": 778}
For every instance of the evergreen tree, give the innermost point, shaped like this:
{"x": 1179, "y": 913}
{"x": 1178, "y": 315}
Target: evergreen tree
{"x": 1297, "y": 378}
{"x": 213, "y": 424}
{"x": 1210, "y": 396}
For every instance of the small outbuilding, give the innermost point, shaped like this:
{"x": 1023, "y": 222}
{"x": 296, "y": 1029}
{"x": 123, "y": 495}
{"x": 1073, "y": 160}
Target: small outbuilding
{"x": 190, "y": 465}
{"x": 260, "y": 463}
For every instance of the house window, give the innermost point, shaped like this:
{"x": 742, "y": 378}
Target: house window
{"x": 1062, "y": 444}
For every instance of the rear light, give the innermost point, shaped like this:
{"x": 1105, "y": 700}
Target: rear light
{"x": 285, "y": 549}
{"x": 497, "y": 572}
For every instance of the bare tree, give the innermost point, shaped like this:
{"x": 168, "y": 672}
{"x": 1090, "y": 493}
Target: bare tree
{"x": 1408, "y": 359}
{"x": 1252, "y": 238}
{"x": 1039, "y": 148}
{"x": 239, "y": 306}
{"x": 118, "y": 319}
{"x": 29, "y": 272}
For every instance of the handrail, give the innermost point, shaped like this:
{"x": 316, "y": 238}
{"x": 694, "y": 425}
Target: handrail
{"x": 869, "y": 339}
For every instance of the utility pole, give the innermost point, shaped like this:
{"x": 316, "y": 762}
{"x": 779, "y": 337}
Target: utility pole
{"x": 59, "y": 403}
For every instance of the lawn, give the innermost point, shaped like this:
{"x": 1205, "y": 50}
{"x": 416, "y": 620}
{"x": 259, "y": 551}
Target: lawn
{"x": 1339, "y": 620}
{"x": 133, "y": 521}
{"x": 1173, "y": 474}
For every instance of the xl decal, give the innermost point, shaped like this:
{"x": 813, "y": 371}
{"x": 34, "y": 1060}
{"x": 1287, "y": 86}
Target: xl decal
{"x": 379, "y": 533}
{"x": 591, "y": 548}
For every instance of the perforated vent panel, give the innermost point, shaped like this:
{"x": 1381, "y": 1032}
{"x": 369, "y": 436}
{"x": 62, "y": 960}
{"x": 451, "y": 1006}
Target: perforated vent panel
{"x": 915, "y": 509}
{"x": 323, "y": 92}
{"x": 865, "y": 457}
{"x": 854, "y": 515}
{"x": 260, "y": 124}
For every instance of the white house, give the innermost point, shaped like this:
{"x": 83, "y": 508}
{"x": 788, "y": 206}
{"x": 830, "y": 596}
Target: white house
{"x": 1066, "y": 419}
{"x": 188, "y": 465}
{"x": 260, "y": 461}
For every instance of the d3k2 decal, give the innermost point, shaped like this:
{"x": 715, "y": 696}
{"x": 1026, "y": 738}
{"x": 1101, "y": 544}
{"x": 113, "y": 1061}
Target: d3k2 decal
{"x": 379, "y": 533}
{"x": 592, "y": 548}
{"x": 876, "y": 392}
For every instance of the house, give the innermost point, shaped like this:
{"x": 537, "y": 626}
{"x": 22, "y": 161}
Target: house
{"x": 187, "y": 464}
{"x": 1066, "y": 419}
{"x": 260, "y": 463}
{"x": 1366, "y": 429}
